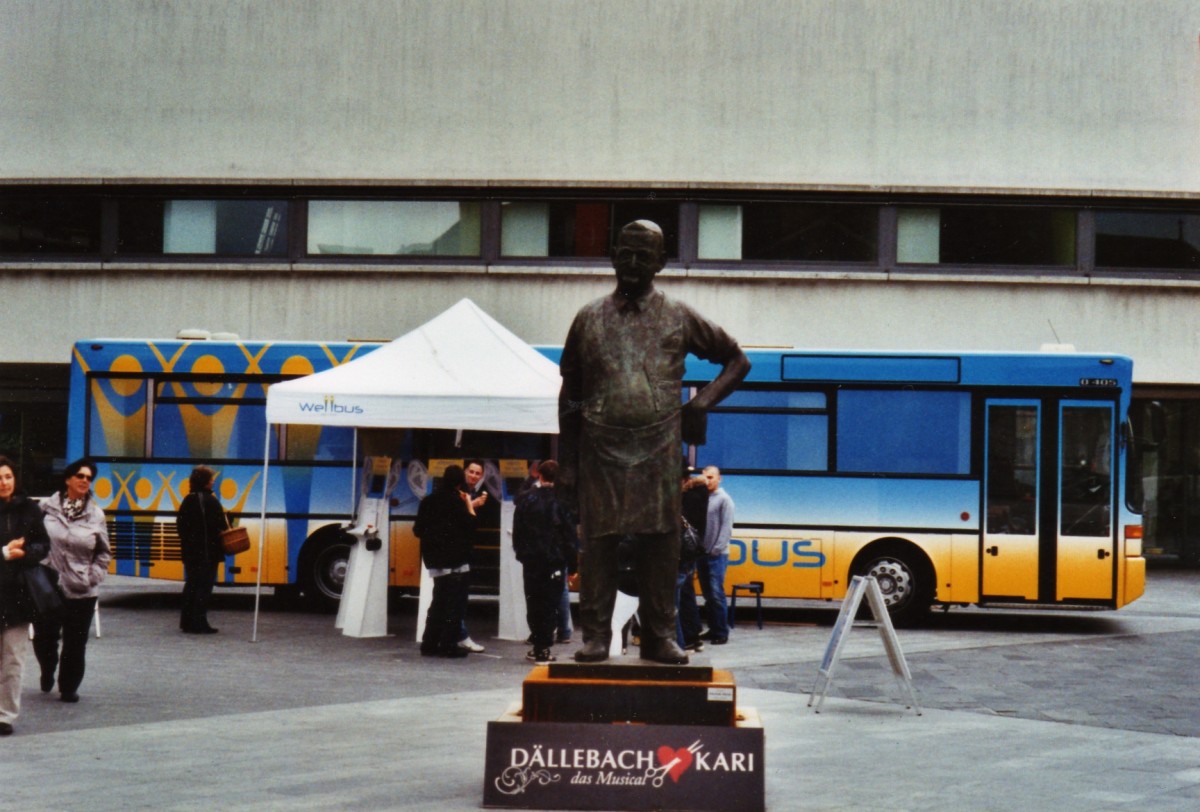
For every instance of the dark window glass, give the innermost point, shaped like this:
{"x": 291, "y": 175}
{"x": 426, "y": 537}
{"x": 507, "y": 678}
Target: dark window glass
{"x": 1007, "y": 236}
{"x": 576, "y": 229}
{"x": 903, "y": 432}
{"x": 33, "y": 435}
{"x": 982, "y": 235}
{"x": 238, "y": 228}
{"x": 1085, "y": 478}
{"x": 49, "y": 225}
{"x": 486, "y": 445}
{"x": 784, "y": 231}
{"x": 1012, "y": 473}
{"x": 1140, "y": 239}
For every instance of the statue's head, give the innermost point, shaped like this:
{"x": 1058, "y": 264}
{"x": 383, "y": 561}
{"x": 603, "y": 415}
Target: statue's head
{"x": 639, "y": 254}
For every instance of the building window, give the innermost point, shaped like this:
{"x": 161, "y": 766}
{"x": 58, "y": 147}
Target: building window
{"x": 783, "y": 231}
{"x": 394, "y": 228}
{"x": 49, "y": 225}
{"x": 232, "y": 228}
{"x": 986, "y": 235}
{"x": 1143, "y": 239}
{"x": 578, "y": 229}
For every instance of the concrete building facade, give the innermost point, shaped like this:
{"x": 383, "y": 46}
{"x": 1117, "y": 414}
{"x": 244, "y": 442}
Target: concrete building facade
{"x": 923, "y": 174}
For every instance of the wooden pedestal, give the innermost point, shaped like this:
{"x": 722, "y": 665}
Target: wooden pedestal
{"x": 651, "y": 695}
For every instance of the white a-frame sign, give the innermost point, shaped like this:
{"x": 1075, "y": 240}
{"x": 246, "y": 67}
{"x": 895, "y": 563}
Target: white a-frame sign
{"x": 859, "y": 586}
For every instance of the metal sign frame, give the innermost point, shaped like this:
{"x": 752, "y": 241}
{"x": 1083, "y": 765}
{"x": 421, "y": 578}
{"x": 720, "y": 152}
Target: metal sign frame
{"x": 861, "y": 586}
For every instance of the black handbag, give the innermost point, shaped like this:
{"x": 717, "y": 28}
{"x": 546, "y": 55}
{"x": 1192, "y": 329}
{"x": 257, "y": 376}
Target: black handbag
{"x": 691, "y": 546}
{"x": 41, "y": 585}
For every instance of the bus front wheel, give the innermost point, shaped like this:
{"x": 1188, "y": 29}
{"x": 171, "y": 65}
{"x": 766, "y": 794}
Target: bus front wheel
{"x": 323, "y": 570}
{"x": 906, "y": 581}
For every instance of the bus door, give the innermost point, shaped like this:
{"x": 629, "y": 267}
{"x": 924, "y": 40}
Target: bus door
{"x": 1013, "y": 485}
{"x": 1048, "y": 501}
{"x": 1085, "y": 560}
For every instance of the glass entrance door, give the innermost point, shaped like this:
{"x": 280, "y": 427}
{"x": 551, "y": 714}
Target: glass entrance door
{"x": 1085, "y": 560}
{"x": 1012, "y": 500}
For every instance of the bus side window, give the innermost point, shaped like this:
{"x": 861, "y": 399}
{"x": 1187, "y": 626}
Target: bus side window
{"x": 117, "y": 418}
{"x": 777, "y": 430}
{"x": 903, "y": 431}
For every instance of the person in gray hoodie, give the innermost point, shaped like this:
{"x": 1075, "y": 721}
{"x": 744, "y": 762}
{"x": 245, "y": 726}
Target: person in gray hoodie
{"x": 79, "y": 553}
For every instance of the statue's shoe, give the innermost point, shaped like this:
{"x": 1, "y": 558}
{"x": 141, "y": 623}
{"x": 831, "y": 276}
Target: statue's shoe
{"x": 593, "y": 651}
{"x": 664, "y": 651}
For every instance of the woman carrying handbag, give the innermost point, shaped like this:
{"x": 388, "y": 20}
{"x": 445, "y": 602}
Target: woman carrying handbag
{"x": 200, "y": 521}
{"x": 79, "y": 554}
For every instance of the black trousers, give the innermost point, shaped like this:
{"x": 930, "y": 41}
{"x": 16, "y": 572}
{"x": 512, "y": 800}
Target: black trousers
{"x": 656, "y": 562}
{"x": 72, "y": 628}
{"x": 198, "y": 580}
{"x": 446, "y": 612}
{"x": 543, "y": 594}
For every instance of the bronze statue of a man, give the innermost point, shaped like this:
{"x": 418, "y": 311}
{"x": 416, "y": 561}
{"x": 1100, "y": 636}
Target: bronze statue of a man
{"x": 621, "y": 422}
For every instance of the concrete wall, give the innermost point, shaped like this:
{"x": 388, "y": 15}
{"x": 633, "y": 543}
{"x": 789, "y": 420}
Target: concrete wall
{"x": 1041, "y": 94}
{"x": 1156, "y": 325}
{"x": 1086, "y": 96}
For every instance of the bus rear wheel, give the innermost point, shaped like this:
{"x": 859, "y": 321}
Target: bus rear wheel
{"x": 906, "y": 581}
{"x": 323, "y": 571}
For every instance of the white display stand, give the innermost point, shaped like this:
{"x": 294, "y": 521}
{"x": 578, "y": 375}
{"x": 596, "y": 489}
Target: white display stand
{"x": 363, "y": 608}
{"x": 513, "y": 623}
{"x": 860, "y": 586}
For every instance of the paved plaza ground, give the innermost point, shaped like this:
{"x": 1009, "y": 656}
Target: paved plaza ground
{"x": 1022, "y": 710}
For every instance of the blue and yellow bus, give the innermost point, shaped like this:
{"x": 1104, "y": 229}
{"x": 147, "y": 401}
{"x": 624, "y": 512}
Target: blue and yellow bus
{"x": 148, "y": 411}
{"x": 953, "y": 478}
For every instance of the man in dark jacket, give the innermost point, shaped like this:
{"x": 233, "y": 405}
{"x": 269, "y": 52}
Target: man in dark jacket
{"x": 545, "y": 543}
{"x": 23, "y": 543}
{"x": 446, "y": 527}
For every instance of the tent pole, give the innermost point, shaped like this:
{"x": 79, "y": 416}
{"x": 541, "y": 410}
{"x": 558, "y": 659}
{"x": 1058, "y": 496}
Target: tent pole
{"x": 262, "y": 532}
{"x": 354, "y": 476}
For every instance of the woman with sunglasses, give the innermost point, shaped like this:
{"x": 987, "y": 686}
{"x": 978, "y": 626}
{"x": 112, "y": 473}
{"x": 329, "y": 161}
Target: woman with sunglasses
{"x": 79, "y": 553}
{"x": 23, "y": 544}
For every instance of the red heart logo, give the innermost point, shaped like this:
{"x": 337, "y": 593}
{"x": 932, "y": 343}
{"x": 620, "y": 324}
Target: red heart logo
{"x": 682, "y": 758}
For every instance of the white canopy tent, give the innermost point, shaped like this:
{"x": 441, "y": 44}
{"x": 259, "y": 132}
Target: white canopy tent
{"x": 461, "y": 370}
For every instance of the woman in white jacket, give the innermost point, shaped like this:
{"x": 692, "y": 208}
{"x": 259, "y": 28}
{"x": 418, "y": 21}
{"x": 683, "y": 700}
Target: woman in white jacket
{"x": 79, "y": 553}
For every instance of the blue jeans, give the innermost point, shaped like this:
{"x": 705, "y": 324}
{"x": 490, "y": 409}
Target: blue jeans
{"x": 687, "y": 623}
{"x": 711, "y": 569}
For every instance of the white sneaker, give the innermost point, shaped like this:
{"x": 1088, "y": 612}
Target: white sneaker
{"x": 470, "y": 645}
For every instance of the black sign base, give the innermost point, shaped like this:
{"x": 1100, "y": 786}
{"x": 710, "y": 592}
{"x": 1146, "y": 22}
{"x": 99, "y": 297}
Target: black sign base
{"x": 626, "y": 764}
